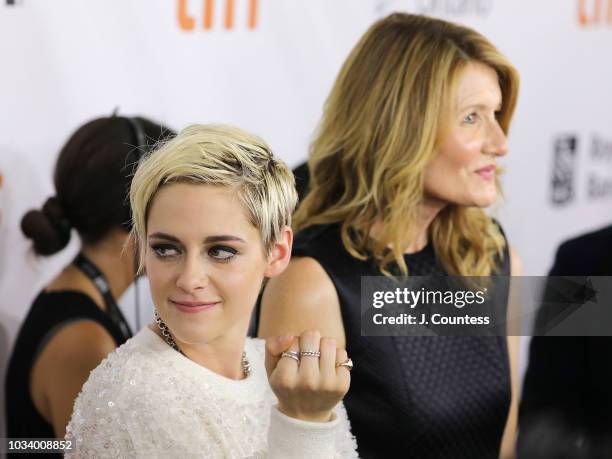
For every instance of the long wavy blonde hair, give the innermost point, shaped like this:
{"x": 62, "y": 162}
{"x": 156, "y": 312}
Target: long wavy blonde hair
{"x": 380, "y": 128}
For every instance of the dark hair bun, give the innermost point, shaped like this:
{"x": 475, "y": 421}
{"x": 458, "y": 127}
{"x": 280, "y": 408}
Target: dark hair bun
{"x": 48, "y": 228}
{"x": 93, "y": 173}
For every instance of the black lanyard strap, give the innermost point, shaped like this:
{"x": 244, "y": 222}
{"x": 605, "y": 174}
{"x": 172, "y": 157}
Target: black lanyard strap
{"x": 88, "y": 268}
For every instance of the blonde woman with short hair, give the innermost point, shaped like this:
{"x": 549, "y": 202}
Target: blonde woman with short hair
{"x": 211, "y": 213}
{"x": 404, "y": 161}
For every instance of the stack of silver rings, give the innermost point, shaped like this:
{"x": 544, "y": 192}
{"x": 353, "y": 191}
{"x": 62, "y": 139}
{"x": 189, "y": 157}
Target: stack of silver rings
{"x": 297, "y": 356}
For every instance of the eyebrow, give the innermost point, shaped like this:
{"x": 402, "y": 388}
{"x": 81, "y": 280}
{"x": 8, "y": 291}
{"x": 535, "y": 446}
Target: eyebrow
{"x": 480, "y": 107}
{"x": 208, "y": 240}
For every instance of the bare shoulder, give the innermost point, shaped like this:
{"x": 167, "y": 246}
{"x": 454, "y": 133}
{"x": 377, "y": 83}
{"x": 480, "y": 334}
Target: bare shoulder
{"x": 516, "y": 263}
{"x": 64, "y": 365}
{"x": 304, "y": 280}
{"x": 302, "y": 298}
{"x": 70, "y": 355}
{"x": 82, "y": 340}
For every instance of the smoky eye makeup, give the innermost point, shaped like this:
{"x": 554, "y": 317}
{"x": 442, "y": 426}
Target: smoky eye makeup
{"x": 166, "y": 246}
{"x": 163, "y": 250}
{"x": 222, "y": 253}
{"x": 219, "y": 253}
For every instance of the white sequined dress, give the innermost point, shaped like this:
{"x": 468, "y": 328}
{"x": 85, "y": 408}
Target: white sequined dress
{"x": 147, "y": 400}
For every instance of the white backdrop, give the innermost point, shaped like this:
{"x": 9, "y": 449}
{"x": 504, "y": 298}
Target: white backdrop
{"x": 67, "y": 61}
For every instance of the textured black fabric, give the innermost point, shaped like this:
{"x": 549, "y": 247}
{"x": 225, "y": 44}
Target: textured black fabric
{"x": 566, "y": 403}
{"x": 48, "y": 313}
{"x": 421, "y": 397}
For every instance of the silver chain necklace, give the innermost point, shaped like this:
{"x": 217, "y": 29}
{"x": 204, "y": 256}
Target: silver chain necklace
{"x": 165, "y": 331}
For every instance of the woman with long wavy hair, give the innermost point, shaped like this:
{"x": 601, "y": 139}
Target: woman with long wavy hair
{"x": 402, "y": 165}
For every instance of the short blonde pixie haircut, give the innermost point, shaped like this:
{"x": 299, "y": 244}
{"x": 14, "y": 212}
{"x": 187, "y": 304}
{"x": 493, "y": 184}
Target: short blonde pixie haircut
{"x": 222, "y": 156}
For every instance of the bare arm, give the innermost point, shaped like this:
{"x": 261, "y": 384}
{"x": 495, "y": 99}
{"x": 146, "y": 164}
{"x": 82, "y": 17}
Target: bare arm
{"x": 63, "y": 367}
{"x": 302, "y": 298}
{"x": 508, "y": 447}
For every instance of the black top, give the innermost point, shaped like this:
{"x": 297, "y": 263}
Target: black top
{"x": 426, "y": 397}
{"x": 566, "y": 406}
{"x": 49, "y": 312}
{"x": 302, "y": 180}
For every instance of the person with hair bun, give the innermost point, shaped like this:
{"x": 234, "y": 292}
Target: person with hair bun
{"x": 75, "y": 322}
{"x": 403, "y": 163}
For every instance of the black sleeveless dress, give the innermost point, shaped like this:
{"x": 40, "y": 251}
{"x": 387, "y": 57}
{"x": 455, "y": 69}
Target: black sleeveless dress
{"x": 423, "y": 396}
{"x": 49, "y": 312}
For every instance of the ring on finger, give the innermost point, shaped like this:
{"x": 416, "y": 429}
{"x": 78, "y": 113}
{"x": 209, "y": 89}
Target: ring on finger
{"x": 292, "y": 355}
{"x": 348, "y": 363}
{"x": 310, "y": 354}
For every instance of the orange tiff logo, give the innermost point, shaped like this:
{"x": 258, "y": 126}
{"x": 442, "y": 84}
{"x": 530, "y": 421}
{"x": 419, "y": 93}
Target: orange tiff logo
{"x": 594, "y": 12}
{"x": 188, "y": 22}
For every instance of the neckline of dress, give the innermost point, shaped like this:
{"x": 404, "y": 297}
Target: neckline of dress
{"x": 427, "y": 248}
{"x": 240, "y": 387}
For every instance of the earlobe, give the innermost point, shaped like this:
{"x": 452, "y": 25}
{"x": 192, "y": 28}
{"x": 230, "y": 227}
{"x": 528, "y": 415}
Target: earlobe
{"x": 280, "y": 254}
